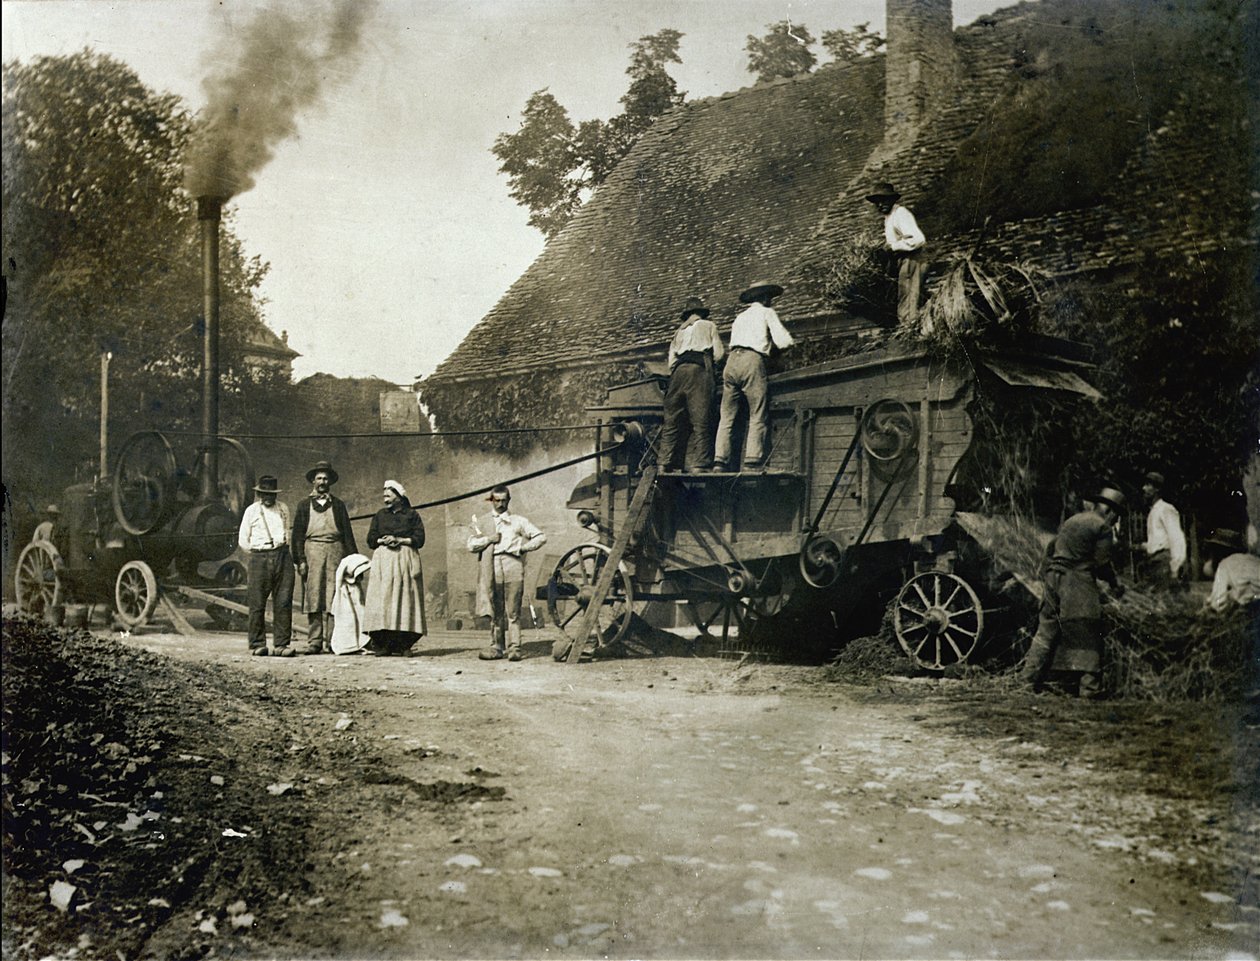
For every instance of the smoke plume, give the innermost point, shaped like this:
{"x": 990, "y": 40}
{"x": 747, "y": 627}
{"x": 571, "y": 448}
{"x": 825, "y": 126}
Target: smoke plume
{"x": 267, "y": 74}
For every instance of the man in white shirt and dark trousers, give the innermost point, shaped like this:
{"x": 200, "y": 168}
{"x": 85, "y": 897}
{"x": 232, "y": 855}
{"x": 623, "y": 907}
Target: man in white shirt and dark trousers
{"x": 756, "y": 330}
{"x": 1165, "y": 541}
{"x": 501, "y": 573}
{"x": 693, "y": 352}
{"x": 906, "y": 241}
{"x": 264, "y": 536}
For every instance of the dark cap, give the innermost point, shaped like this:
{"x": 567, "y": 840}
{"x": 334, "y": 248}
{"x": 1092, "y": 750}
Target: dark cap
{"x": 694, "y": 306}
{"x": 324, "y": 466}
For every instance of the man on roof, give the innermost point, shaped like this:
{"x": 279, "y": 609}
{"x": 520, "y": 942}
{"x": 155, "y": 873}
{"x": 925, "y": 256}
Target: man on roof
{"x": 756, "y": 331}
{"x": 906, "y": 241}
{"x": 693, "y": 352}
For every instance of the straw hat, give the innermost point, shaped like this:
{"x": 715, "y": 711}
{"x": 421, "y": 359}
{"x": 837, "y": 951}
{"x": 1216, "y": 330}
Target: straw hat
{"x": 759, "y": 288}
{"x": 1109, "y": 495}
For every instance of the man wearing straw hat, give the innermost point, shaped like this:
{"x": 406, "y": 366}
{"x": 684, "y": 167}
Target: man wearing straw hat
{"x": 264, "y": 536}
{"x": 693, "y": 352}
{"x": 756, "y": 331}
{"x": 321, "y": 538}
{"x": 906, "y": 241}
{"x": 1069, "y": 624}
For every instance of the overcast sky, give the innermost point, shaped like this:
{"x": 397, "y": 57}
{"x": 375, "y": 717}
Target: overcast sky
{"x": 388, "y": 228}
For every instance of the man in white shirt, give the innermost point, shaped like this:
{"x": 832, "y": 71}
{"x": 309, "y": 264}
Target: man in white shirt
{"x": 906, "y": 241}
{"x": 756, "y": 330}
{"x": 501, "y": 573}
{"x": 264, "y": 536}
{"x": 1237, "y": 575}
{"x": 1165, "y": 541}
{"x": 693, "y": 352}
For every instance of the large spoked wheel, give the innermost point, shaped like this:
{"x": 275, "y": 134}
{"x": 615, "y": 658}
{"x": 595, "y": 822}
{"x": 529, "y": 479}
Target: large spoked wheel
{"x": 144, "y": 482}
{"x": 572, "y": 588}
{"x": 135, "y": 593}
{"x": 236, "y": 475}
{"x": 938, "y": 619}
{"x": 820, "y": 561}
{"x": 37, "y": 579}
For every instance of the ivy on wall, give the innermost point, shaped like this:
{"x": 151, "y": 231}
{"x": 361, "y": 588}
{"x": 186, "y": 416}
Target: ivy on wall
{"x": 539, "y": 398}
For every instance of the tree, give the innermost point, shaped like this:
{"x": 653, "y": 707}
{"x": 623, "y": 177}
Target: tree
{"x": 539, "y": 160}
{"x": 553, "y": 167}
{"x": 783, "y": 52}
{"x": 849, "y": 46}
{"x": 101, "y": 253}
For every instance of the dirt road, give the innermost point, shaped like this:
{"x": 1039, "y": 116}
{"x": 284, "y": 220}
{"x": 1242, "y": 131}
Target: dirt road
{"x": 690, "y": 807}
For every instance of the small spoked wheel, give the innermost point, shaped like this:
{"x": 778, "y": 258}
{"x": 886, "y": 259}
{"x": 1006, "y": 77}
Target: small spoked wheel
{"x": 37, "y": 578}
{"x": 938, "y": 619}
{"x": 571, "y": 591}
{"x": 135, "y": 593}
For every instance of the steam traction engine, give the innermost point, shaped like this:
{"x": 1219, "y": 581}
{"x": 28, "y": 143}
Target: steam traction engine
{"x": 116, "y": 536}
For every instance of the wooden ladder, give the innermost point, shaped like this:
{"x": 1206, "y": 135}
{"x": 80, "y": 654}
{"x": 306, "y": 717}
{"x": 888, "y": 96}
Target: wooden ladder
{"x": 635, "y": 517}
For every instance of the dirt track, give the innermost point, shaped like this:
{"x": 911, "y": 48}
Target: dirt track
{"x": 686, "y": 807}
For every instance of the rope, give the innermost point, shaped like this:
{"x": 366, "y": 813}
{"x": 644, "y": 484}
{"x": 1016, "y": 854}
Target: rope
{"x": 440, "y": 433}
{"x": 513, "y": 480}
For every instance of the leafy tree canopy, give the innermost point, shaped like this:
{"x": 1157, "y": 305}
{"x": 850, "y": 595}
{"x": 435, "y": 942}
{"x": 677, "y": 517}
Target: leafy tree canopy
{"x": 783, "y": 52}
{"x": 849, "y": 46}
{"x": 101, "y": 252}
{"x": 553, "y": 166}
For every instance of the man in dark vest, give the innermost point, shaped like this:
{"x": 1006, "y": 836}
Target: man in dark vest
{"x": 321, "y": 538}
{"x": 693, "y": 352}
{"x": 1069, "y": 624}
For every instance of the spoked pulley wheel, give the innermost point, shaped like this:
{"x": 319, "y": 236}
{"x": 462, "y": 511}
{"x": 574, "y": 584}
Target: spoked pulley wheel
{"x": 820, "y": 560}
{"x": 144, "y": 482}
{"x": 135, "y": 593}
{"x": 938, "y": 619}
{"x": 571, "y": 591}
{"x": 37, "y": 578}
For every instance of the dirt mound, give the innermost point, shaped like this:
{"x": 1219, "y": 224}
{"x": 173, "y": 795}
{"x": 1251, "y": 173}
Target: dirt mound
{"x": 143, "y": 809}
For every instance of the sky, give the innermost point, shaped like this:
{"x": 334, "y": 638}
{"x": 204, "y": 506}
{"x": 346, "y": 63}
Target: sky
{"x": 389, "y": 231}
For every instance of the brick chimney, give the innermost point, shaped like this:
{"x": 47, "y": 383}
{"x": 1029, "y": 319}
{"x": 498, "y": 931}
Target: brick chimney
{"x": 920, "y": 69}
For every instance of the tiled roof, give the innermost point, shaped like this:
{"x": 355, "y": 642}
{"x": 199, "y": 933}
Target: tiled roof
{"x": 769, "y": 182}
{"x": 716, "y": 195}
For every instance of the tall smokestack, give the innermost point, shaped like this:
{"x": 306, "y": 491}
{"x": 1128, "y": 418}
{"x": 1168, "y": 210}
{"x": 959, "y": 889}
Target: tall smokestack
{"x": 209, "y": 210}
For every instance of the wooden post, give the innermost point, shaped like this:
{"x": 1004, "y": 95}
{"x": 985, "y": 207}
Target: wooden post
{"x": 105, "y": 359}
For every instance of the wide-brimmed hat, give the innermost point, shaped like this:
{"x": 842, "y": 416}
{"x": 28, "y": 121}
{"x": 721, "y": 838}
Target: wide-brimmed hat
{"x": 324, "y": 466}
{"x": 759, "y": 288}
{"x": 52, "y": 509}
{"x": 1109, "y": 495}
{"x": 1155, "y": 478}
{"x": 883, "y": 191}
{"x": 694, "y": 306}
{"x": 268, "y": 485}
{"x": 1224, "y": 537}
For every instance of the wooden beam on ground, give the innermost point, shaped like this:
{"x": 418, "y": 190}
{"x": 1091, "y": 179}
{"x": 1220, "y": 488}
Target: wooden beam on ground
{"x": 195, "y": 595}
{"x": 176, "y": 617}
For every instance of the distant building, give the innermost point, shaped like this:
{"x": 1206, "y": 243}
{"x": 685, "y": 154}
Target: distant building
{"x": 264, "y": 350}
